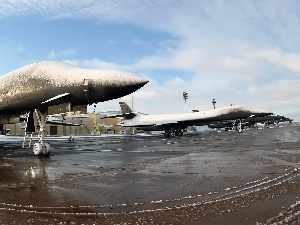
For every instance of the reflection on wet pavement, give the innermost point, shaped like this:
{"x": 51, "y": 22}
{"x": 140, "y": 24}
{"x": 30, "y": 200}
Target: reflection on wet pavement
{"x": 138, "y": 174}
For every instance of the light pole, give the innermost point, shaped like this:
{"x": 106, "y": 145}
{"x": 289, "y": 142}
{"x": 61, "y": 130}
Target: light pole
{"x": 132, "y": 109}
{"x": 132, "y": 100}
{"x": 185, "y": 97}
{"x": 214, "y": 103}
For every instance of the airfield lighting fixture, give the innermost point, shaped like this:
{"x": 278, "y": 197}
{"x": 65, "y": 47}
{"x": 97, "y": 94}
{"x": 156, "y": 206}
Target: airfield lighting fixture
{"x": 185, "y": 97}
{"x": 214, "y": 103}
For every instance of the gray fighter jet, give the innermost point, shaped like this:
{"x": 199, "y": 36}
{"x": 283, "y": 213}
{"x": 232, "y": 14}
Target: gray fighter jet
{"x": 250, "y": 122}
{"x": 175, "y": 123}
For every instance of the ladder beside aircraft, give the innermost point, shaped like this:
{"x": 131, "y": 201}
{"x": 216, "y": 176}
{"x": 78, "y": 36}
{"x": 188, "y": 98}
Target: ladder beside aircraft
{"x": 26, "y": 133}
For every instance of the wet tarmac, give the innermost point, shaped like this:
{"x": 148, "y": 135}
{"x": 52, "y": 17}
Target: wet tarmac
{"x": 206, "y": 177}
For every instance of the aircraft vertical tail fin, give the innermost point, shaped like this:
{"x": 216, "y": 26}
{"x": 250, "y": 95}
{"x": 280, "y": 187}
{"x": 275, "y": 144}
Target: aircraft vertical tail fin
{"x": 127, "y": 111}
{"x": 125, "y": 108}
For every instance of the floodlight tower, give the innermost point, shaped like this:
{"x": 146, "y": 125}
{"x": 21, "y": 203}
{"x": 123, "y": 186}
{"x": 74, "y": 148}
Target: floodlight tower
{"x": 214, "y": 103}
{"x": 185, "y": 97}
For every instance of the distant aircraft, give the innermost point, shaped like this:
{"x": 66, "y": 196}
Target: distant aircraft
{"x": 250, "y": 122}
{"x": 60, "y": 119}
{"x": 35, "y": 87}
{"x": 175, "y": 123}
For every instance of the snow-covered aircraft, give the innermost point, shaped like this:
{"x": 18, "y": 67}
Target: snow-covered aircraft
{"x": 38, "y": 86}
{"x": 250, "y": 122}
{"x": 175, "y": 123}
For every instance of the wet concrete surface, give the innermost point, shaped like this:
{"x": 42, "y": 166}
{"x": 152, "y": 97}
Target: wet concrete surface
{"x": 207, "y": 177}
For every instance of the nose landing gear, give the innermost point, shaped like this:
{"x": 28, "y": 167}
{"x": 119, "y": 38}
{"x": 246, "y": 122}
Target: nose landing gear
{"x": 41, "y": 147}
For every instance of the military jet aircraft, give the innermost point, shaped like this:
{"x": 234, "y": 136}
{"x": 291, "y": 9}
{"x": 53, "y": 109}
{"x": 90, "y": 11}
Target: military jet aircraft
{"x": 35, "y": 87}
{"x": 175, "y": 123}
{"x": 250, "y": 122}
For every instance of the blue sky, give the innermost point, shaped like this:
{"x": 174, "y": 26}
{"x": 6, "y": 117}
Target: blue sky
{"x": 238, "y": 52}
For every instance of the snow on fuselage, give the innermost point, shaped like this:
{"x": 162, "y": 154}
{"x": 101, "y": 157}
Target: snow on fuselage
{"x": 201, "y": 118}
{"x": 27, "y": 87}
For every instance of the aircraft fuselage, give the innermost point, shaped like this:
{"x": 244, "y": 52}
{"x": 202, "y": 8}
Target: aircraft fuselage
{"x": 50, "y": 83}
{"x": 181, "y": 121}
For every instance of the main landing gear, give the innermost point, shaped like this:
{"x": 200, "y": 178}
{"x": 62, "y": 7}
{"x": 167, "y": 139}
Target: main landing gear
{"x": 169, "y": 133}
{"x": 240, "y": 127}
{"x": 41, "y": 147}
{"x": 236, "y": 126}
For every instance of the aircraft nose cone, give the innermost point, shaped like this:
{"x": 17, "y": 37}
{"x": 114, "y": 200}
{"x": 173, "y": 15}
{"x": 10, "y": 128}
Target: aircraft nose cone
{"x": 121, "y": 84}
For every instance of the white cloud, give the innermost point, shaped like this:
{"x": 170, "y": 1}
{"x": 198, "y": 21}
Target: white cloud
{"x": 179, "y": 17}
{"x": 277, "y": 90}
{"x": 51, "y": 55}
{"x": 241, "y": 52}
{"x": 290, "y": 61}
{"x": 61, "y": 54}
{"x": 176, "y": 82}
{"x": 238, "y": 64}
{"x": 282, "y": 95}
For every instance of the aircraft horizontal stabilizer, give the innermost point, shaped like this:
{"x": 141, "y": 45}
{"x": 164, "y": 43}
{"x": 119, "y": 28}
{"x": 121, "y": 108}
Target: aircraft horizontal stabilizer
{"x": 63, "y": 123}
{"x": 56, "y": 97}
{"x": 59, "y": 119}
{"x": 124, "y": 115}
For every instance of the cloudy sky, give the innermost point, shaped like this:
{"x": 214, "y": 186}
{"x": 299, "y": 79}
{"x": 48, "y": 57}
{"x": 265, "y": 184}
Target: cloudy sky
{"x": 237, "y": 52}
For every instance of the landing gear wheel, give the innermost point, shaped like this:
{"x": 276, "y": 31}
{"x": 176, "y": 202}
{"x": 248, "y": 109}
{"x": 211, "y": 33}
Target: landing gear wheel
{"x": 37, "y": 149}
{"x": 178, "y": 133}
{"x": 168, "y": 134}
{"x": 46, "y": 149}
